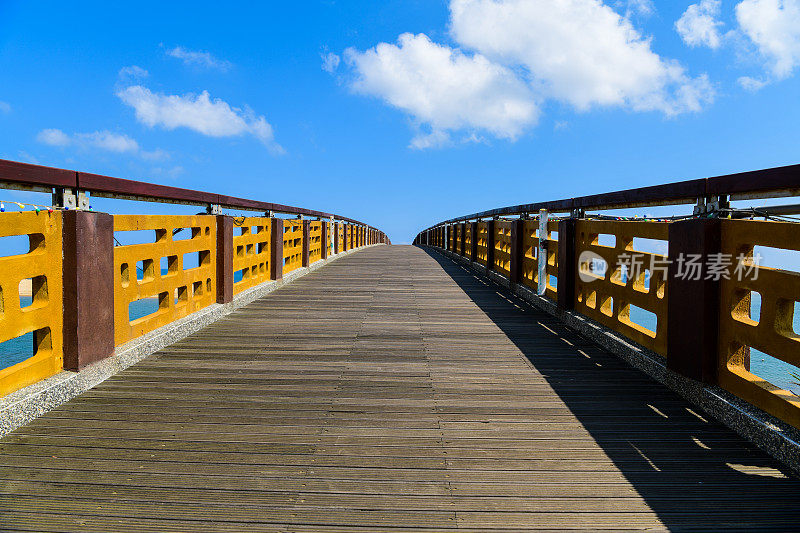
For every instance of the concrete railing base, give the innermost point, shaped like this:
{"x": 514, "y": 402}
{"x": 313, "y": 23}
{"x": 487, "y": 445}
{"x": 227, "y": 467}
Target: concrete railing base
{"x": 770, "y": 434}
{"x": 27, "y": 404}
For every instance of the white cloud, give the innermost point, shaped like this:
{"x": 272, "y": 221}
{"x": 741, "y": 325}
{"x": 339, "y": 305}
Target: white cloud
{"x": 25, "y": 157}
{"x": 54, "y": 137}
{"x": 698, "y": 26}
{"x": 198, "y": 59}
{"x": 642, "y": 8}
{"x": 171, "y": 173}
{"x": 330, "y": 62}
{"x": 102, "y": 140}
{"x": 106, "y": 140}
{"x": 774, "y": 28}
{"x": 5, "y": 107}
{"x": 155, "y": 155}
{"x": 579, "y": 51}
{"x": 213, "y": 118}
{"x": 513, "y": 55}
{"x": 443, "y": 89}
{"x": 132, "y": 72}
{"x": 751, "y": 84}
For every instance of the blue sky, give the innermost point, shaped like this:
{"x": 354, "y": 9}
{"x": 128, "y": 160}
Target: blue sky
{"x": 480, "y": 104}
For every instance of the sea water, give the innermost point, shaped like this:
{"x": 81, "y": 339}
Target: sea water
{"x": 765, "y": 366}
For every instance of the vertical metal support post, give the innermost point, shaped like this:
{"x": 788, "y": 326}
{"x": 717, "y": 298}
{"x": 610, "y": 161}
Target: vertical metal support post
{"x": 490, "y": 244}
{"x": 693, "y": 304}
{"x": 224, "y": 259}
{"x": 517, "y": 250}
{"x": 276, "y": 249}
{"x": 567, "y": 264}
{"x": 306, "y": 242}
{"x": 463, "y": 245}
{"x": 324, "y": 232}
{"x": 542, "y": 253}
{"x": 88, "y": 287}
{"x": 345, "y": 237}
{"x": 336, "y": 243}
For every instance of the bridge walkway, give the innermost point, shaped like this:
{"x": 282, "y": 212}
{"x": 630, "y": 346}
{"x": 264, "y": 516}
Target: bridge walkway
{"x": 424, "y": 398}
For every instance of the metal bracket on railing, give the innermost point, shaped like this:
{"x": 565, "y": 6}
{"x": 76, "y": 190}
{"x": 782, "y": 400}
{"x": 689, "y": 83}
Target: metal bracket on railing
{"x": 711, "y": 205}
{"x": 577, "y": 213}
{"x": 70, "y": 199}
{"x": 269, "y": 214}
{"x": 214, "y": 209}
{"x": 542, "y": 254}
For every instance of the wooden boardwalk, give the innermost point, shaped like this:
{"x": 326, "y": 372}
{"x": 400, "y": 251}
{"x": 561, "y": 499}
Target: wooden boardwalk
{"x": 391, "y": 389}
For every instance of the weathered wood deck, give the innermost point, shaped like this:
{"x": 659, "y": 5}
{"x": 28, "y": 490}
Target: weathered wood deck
{"x": 422, "y": 398}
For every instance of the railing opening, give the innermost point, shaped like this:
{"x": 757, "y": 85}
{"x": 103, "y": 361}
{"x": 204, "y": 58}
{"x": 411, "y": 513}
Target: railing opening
{"x": 17, "y": 245}
{"x": 644, "y": 319}
{"x": 650, "y": 246}
{"x": 169, "y": 265}
{"x": 184, "y": 234}
{"x": 780, "y": 258}
{"x": 142, "y": 308}
{"x": 776, "y": 372}
{"x": 129, "y": 238}
{"x": 16, "y": 350}
{"x": 605, "y": 239}
{"x": 144, "y": 270}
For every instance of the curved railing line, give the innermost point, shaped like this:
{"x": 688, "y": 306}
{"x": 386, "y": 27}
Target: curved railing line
{"x": 41, "y": 178}
{"x": 767, "y": 183}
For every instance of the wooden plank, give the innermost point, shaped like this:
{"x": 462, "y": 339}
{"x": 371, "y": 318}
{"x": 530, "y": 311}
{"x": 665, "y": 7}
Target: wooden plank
{"x": 389, "y": 390}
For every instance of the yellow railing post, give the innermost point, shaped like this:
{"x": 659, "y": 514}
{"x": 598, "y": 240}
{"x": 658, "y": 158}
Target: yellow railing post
{"x": 693, "y": 304}
{"x": 88, "y": 285}
{"x": 336, "y": 240}
{"x": 325, "y": 240}
{"x": 276, "y": 248}
{"x": 517, "y": 251}
{"x": 224, "y": 259}
{"x": 567, "y": 265}
{"x": 306, "y": 243}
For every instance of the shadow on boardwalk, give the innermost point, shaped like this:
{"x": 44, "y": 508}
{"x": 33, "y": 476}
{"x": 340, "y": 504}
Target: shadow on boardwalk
{"x": 692, "y": 471}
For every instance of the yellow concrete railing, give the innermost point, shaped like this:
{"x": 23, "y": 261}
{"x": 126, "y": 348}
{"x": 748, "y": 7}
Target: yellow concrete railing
{"x": 621, "y": 281}
{"x": 292, "y": 245}
{"x": 42, "y": 265}
{"x": 315, "y": 242}
{"x": 530, "y": 256}
{"x": 771, "y": 330}
{"x": 632, "y": 278}
{"x": 138, "y": 269}
{"x": 482, "y": 246}
{"x": 502, "y": 247}
{"x": 90, "y": 281}
{"x": 251, "y": 252}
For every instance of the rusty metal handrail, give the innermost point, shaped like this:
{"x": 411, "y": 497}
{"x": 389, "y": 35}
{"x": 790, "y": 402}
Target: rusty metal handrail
{"x": 14, "y": 174}
{"x": 767, "y": 183}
